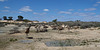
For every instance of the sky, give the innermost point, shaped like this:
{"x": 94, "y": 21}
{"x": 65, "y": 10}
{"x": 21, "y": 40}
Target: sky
{"x": 48, "y": 10}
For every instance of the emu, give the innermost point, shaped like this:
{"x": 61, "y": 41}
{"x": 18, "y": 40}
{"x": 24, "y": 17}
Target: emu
{"x": 37, "y": 27}
{"x": 41, "y": 28}
{"x": 27, "y": 30}
{"x": 76, "y": 27}
{"x": 54, "y": 27}
{"x": 59, "y": 28}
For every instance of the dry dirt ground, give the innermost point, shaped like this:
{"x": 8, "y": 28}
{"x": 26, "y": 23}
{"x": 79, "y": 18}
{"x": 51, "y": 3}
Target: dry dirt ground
{"x": 39, "y": 39}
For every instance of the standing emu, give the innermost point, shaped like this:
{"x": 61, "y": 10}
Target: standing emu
{"x": 37, "y": 27}
{"x": 27, "y": 30}
{"x": 60, "y": 28}
{"x": 41, "y": 28}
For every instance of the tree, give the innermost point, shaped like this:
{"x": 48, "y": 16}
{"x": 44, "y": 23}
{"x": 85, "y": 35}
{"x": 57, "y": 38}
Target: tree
{"x": 4, "y": 17}
{"x": 26, "y": 20}
{"x": 10, "y": 18}
{"x": 77, "y": 21}
{"x": 20, "y": 18}
{"x": 55, "y": 20}
{"x": 0, "y": 19}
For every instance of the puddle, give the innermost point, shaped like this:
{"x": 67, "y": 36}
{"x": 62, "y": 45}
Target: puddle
{"x": 1, "y": 31}
{"x": 25, "y": 41}
{"x": 67, "y": 42}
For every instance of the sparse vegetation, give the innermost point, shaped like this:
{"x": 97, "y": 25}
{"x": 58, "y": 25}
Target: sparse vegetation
{"x": 26, "y": 20}
{"x": 12, "y": 40}
{"x": 82, "y": 24}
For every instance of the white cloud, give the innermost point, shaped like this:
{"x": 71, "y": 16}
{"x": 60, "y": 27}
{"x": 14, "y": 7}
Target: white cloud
{"x": 45, "y": 9}
{"x": 77, "y": 13}
{"x": 39, "y": 13}
{"x": 19, "y": 12}
{"x": 71, "y": 10}
{"x": 89, "y": 9}
{"x": 83, "y": 14}
{"x": 97, "y": 16}
{"x": 98, "y": 2}
{"x": 15, "y": 12}
{"x": 2, "y": 0}
{"x": 95, "y": 5}
{"x": 5, "y": 10}
{"x": 6, "y": 7}
{"x": 35, "y": 13}
{"x": 64, "y": 12}
{"x": 26, "y": 9}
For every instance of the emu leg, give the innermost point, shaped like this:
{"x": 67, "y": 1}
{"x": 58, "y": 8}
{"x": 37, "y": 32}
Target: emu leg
{"x": 26, "y": 34}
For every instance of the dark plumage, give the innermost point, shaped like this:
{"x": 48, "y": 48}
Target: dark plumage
{"x": 60, "y": 28}
{"x": 27, "y": 31}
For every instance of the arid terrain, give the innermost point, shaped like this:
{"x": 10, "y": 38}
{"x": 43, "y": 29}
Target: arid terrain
{"x": 49, "y": 24}
{"x": 85, "y": 39}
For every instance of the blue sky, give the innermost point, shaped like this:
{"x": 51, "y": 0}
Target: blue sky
{"x": 47, "y": 10}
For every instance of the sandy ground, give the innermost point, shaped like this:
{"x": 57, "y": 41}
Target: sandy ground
{"x": 39, "y": 39}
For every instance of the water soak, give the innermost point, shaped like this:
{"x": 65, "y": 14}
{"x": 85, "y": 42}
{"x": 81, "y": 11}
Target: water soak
{"x": 25, "y": 41}
{"x": 1, "y": 31}
{"x": 67, "y": 42}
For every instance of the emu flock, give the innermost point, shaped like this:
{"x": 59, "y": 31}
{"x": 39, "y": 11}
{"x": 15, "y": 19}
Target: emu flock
{"x": 39, "y": 28}
{"x": 43, "y": 28}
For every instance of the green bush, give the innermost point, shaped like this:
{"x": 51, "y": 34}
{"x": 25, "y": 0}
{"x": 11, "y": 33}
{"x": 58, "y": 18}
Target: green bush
{"x": 12, "y": 40}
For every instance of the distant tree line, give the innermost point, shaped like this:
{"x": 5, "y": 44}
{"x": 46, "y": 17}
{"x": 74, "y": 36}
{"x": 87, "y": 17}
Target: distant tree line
{"x": 9, "y": 18}
{"x": 20, "y": 18}
{"x": 82, "y": 24}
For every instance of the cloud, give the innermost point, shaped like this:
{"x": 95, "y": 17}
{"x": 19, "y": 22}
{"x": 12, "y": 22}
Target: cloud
{"x": 77, "y": 13}
{"x": 39, "y": 13}
{"x": 15, "y": 12}
{"x": 83, "y": 14}
{"x": 64, "y": 12}
{"x": 89, "y": 9}
{"x": 26, "y": 9}
{"x": 35, "y": 13}
{"x": 4, "y": 10}
{"x": 9, "y": 12}
{"x": 98, "y": 2}
{"x": 45, "y": 9}
{"x": 95, "y": 5}
{"x": 6, "y": 7}
{"x": 71, "y": 10}
{"x": 97, "y": 16}
{"x": 2, "y": 0}
{"x": 19, "y": 12}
